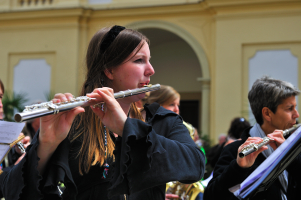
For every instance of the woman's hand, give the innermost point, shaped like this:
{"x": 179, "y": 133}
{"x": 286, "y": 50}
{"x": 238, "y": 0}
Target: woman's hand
{"x": 278, "y": 138}
{"x": 54, "y": 129}
{"x": 112, "y": 115}
{"x": 249, "y": 160}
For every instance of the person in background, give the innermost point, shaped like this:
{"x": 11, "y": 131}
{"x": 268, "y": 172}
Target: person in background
{"x": 15, "y": 155}
{"x": 222, "y": 138}
{"x": 169, "y": 99}
{"x": 237, "y": 126}
{"x": 213, "y": 151}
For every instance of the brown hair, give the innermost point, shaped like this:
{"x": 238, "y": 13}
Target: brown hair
{"x": 87, "y": 125}
{"x": 2, "y": 86}
{"x": 165, "y": 95}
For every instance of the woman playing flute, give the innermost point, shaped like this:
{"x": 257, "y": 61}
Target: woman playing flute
{"x": 103, "y": 152}
{"x": 273, "y": 103}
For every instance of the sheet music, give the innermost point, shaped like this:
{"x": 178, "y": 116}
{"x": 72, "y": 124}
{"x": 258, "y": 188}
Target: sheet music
{"x": 9, "y": 131}
{"x": 3, "y": 150}
{"x": 265, "y": 166}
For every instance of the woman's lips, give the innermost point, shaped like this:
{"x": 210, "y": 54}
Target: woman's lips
{"x": 143, "y": 84}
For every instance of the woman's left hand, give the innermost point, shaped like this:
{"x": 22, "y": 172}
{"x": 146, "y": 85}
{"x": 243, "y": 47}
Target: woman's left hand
{"x": 112, "y": 115}
{"x": 278, "y": 138}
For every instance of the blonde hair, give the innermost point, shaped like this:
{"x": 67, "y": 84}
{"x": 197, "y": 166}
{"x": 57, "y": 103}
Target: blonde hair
{"x": 165, "y": 95}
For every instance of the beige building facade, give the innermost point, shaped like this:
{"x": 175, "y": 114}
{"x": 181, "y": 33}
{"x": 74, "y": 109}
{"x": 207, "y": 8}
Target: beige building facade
{"x": 204, "y": 49}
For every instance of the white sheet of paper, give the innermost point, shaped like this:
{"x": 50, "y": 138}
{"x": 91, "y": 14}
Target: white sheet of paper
{"x": 9, "y": 131}
{"x": 3, "y": 149}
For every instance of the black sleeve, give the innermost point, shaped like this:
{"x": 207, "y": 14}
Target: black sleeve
{"x": 13, "y": 181}
{"x": 227, "y": 173}
{"x": 147, "y": 156}
{"x": 23, "y": 180}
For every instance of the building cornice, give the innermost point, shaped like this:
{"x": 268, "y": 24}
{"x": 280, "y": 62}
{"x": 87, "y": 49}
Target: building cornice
{"x": 225, "y": 9}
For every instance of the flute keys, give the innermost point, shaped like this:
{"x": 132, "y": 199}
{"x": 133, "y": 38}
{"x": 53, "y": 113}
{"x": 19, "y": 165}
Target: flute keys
{"x": 249, "y": 146}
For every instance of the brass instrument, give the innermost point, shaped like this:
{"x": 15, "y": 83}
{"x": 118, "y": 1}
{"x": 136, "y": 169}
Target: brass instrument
{"x": 190, "y": 128}
{"x": 254, "y": 147}
{"x": 48, "y": 108}
{"x": 184, "y": 191}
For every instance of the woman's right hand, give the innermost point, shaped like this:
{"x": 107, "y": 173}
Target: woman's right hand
{"x": 249, "y": 160}
{"x": 54, "y": 129}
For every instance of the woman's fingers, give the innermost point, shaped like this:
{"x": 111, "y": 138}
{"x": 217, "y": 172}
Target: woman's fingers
{"x": 108, "y": 102}
{"x": 60, "y": 97}
{"x": 98, "y": 96}
{"x": 277, "y": 137}
{"x": 249, "y": 141}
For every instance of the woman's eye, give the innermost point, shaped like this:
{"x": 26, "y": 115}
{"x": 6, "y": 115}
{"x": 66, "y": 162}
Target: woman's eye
{"x": 139, "y": 61}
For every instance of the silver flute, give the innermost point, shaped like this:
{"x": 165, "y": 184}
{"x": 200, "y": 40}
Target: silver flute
{"x": 254, "y": 147}
{"x": 49, "y": 108}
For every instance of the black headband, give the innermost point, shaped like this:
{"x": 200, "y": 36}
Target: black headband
{"x": 110, "y": 37}
{"x": 107, "y": 41}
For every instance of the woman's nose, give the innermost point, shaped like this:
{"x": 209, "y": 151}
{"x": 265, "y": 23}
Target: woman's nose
{"x": 149, "y": 70}
{"x": 176, "y": 109}
{"x": 296, "y": 114}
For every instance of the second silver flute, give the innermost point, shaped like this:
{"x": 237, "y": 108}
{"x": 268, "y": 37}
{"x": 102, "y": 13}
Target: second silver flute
{"x": 254, "y": 147}
{"x": 48, "y": 108}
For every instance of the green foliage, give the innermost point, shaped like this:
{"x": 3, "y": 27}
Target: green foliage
{"x": 12, "y": 101}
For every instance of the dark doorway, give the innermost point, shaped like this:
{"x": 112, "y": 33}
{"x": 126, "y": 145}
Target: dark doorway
{"x": 189, "y": 110}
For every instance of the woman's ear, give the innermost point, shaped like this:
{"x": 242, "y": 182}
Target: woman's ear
{"x": 266, "y": 114}
{"x": 109, "y": 73}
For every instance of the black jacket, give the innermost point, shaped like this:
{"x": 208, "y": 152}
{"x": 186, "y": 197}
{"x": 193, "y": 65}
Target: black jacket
{"x": 146, "y": 157}
{"x": 227, "y": 173}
